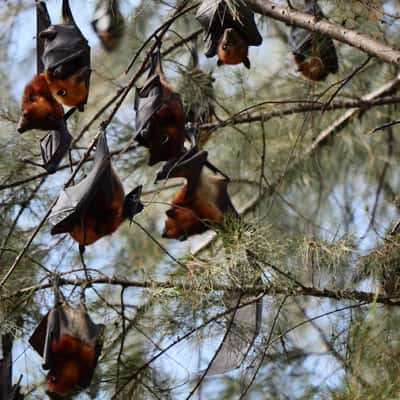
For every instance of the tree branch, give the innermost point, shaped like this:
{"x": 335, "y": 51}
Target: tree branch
{"x": 351, "y": 37}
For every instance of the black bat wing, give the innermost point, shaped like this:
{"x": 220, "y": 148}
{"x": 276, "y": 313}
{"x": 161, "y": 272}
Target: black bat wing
{"x": 245, "y": 24}
{"x": 78, "y": 324}
{"x": 65, "y": 50}
{"x": 328, "y": 53}
{"x": 224, "y": 201}
{"x": 209, "y": 17}
{"x": 188, "y": 166}
{"x": 74, "y": 201}
{"x": 216, "y": 16}
{"x": 305, "y": 44}
{"x": 148, "y": 100}
{"x": 43, "y": 334}
{"x": 65, "y": 320}
{"x": 42, "y": 23}
{"x": 54, "y": 146}
{"x": 300, "y": 41}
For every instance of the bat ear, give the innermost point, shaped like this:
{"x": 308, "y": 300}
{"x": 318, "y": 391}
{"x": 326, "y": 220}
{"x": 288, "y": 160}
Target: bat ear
{"x": 170, "y": 212}
{"x": 83, "y": 74}
{"x": 133, "y": 204}
{"x": 246, "y": 62}
{"x": 220, "y": 62}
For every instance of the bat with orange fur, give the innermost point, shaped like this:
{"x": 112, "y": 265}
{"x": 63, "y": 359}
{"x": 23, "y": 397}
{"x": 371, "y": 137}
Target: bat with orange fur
{"x": 202, "y": 203}
{"x": 108, "y": 23}
{"x": 97, "y": 205}
{"x": 160, "y": 117}
{"x": 229, "y": 30}
{"x": 39, "y": 109}
{"x": 70, "y": 344}
{"x": 65, "y": 57}
{"x": 313, "y": 52}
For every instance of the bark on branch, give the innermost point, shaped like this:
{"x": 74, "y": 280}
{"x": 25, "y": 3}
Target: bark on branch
{"x": 351, "y": 37}
{"x": 269, "y": 289}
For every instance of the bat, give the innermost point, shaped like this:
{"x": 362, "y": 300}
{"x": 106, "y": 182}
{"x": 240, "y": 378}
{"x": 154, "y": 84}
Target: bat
{"x": 70, "y": 344}
{"x": 160, "y": 117}
{"x": 97, "y": 205}
{"x": 108, "y": 23}
{"x": 314, "y": 53}
{"x": 202, "y": 202}
{"x": 39, "y": 109}
{"x": 66, "y": 59}
{"x": 228, "y": 31}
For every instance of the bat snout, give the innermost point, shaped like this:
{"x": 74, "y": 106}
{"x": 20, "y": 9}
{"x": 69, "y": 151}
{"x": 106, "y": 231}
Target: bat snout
{"x": 23, "y": 123}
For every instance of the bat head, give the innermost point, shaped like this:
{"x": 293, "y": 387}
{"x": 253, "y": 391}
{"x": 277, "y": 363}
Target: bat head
{"x": 181, "y": 223}
{"x": 311, "y": 68}
{"x": 72, "y": 91}
{"x": 39, "y": 109}
{"x": 64, "y": 378}
{"x": 232, "y": 49}
{"x": 132, "y": 205}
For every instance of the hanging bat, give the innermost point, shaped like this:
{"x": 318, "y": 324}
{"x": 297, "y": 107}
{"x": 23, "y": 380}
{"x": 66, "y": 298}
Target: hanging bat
{"x": 314, "y": 53}
{"x": 39, "y": 109}
{"x": 108, "y": 23}
{"x": 97, "y": 205}
{"x": 160, "y": 117}
{"x": 66, "y": 60}
{"x": 202, "y": 202}
{"x": 228, "y": 31}
{"x": 70, "y": 345}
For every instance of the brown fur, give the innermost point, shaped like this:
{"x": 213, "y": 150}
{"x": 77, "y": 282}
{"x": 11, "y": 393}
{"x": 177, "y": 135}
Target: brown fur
{"x": 39, "y": 110}
{"x": 168, "y": 122}
{"x": 73, "y": 361}
{"x": 102, "y": 219}
{"x": 311, "y": 68}
{"x": 75, "y": 89}
{"x": 191, "y": 216}
{"x": 232, "y": 49}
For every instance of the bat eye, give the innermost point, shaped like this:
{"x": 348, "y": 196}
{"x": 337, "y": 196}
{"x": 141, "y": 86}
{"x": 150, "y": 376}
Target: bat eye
{"x": 170, "y": 213}
{"x": 62, "y": 92}
{"x": 225, "y": 47}
{"x": 53, "y": 378}
{"x": 30, "y": 96}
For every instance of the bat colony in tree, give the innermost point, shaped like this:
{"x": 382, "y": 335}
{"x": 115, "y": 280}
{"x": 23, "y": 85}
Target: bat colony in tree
{"x": 67, "y": 339}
